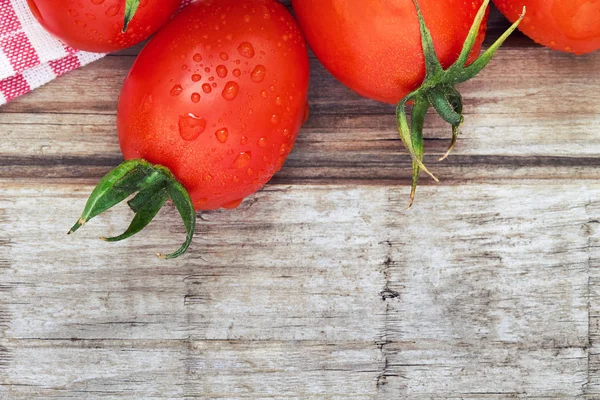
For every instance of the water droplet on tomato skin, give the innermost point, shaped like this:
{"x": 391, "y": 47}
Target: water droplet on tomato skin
{"x": 246, "y": 50}
{"x": 224, "y": 56}
{"x": 258, "y": 74}
{"x": 306, "y": 113}
{"x": 242, "y": 160}
{"x": 243, "y": 140}
{"x": 196, "y": 77}
{"x": 206, "y": 88}
{"x": 222, "y": 71}
{"x": 233, "y": 204}
{"x": 191, "y": 126}
{"x": 230, "y": 91}
{"x": 97, "y": 2}
{"x": 112, "y": 10}
{"x": 195, "y": 97}
{"x": 146, "y": 104}
{"x": 175, "y": 90}
{"x": 222, "y": 135}
{"x": 197, "y": 57}
{"x": 262, "y": 142}
{"x": 275, "y": 119}
{"x": 237, "y": 72}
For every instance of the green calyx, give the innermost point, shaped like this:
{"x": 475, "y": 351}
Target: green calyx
{"x": 131, "y": 7}
{"x": 154, "y": 185}
{"x": 438, "y": 91}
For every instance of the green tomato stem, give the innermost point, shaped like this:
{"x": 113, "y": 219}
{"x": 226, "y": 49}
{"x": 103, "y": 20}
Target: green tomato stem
{"x": 438, "y": 90}
{"x": 154, "y": 185}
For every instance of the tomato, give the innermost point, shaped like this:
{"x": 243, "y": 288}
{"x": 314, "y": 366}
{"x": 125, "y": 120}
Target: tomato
{"x": 224, "y": 103}
{"x": 401, "y": 52}
{"x": 209, "y": 111}
{"x": 567, "y": 25}
{"x": 96, "y": 25}
{"x": 376, "y": 50}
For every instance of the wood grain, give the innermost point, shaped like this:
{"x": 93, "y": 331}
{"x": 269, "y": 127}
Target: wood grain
{"x": 322, "y": 285}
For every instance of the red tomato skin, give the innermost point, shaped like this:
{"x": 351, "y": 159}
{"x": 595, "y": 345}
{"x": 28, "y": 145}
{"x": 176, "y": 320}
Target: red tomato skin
{"x": 567, "y": 25}
{"x": 376, "y": 50}
{"x": 95, "y": 25}
{"x": 218, "y": 96}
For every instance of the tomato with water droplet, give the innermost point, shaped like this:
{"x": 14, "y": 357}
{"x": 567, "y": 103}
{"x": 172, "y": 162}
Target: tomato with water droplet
{"x": 214, "y": 133}
{"x": 97, "y": 25}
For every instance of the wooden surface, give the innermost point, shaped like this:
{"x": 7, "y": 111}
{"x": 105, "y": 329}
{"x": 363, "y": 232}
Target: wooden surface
{"x": 321, "y": 286}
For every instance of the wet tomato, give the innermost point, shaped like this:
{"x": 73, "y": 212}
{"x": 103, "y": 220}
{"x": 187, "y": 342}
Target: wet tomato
{"x": 211, "y": 108}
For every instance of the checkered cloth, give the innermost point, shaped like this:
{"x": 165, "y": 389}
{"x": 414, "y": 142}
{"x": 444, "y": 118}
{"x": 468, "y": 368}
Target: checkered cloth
{"x": 30, "y": 56}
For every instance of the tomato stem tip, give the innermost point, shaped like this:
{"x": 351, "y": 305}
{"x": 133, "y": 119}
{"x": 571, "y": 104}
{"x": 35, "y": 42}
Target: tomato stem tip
{"x": 153, "y": 186}
{"x": 438, "y": 91}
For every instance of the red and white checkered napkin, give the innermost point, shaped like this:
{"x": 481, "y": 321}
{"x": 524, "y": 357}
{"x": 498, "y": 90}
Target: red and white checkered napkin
{"x": 30, "y": 56}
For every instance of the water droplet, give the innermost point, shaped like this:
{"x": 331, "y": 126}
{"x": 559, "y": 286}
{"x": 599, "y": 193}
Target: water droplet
{"x": 272, "y": 88}
{"x": 191, "y": 126}
{"x": 196, "y": 77}
{"x": 246, "y": 50}
{"x": 278, "y": 101}
{"x": 247, "y": 18}
{"x": 243, "y": 140}
{"x": 242, "y": 160}
{"x": 233, "y": 204}
{"x": 72, "y": 12}
{"x": 250, "y": 171}
{"x": 200, "y": 202}
{"x": 212, "y": 78}
{"x": 258, "y": 74}
{"x": 264, "y": 94}
{"x": 222, "y": 71}
{"x": 92, "y": 17}
{"x": 237, "y": 72}
{"x": 265, "y": 13}
{"x": 112, "y": 10}
{"x": 97, "y": 2}
{"x": 175, "y": 90}
{"x": 206, "y": 87}
{"x": 306, "y": 113}
{"x": 80, "y": 24}
{"x": 283, "y": 149}
{"x": 224, "y": 56}
{"x": 229, "y": 36}
{"x": 275, "y": 119}
{"x": 146, "y": 105}
{"x": 262, "y": 142}
{"x": 197, "y": 57}
{"x": 230, "y": 91}
{"x": 222, "y": 135}
{"x": 195, "y": 97}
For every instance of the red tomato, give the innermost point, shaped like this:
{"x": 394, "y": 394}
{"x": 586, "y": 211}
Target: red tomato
{"x": 218, "y": 97}
{"x": 567, "y": 25}
{"x": 96, "y": 25}
{"x": 376, "y": 50}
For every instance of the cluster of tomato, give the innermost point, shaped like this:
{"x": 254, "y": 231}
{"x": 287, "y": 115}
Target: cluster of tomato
{"x": 213, "y": 104}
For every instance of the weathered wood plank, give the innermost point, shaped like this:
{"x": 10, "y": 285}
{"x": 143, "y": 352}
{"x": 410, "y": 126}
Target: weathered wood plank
{"x": 177, "y": 369}
{"x": 485, "y": 297}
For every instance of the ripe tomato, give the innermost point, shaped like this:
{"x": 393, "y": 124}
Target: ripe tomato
{"x": 96, "y": 25}
{"x": 218, "y": 97}
{"x": 567, "y": 25}
{"x": 208, "y": 113}
{"x": 376, "y": 50}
